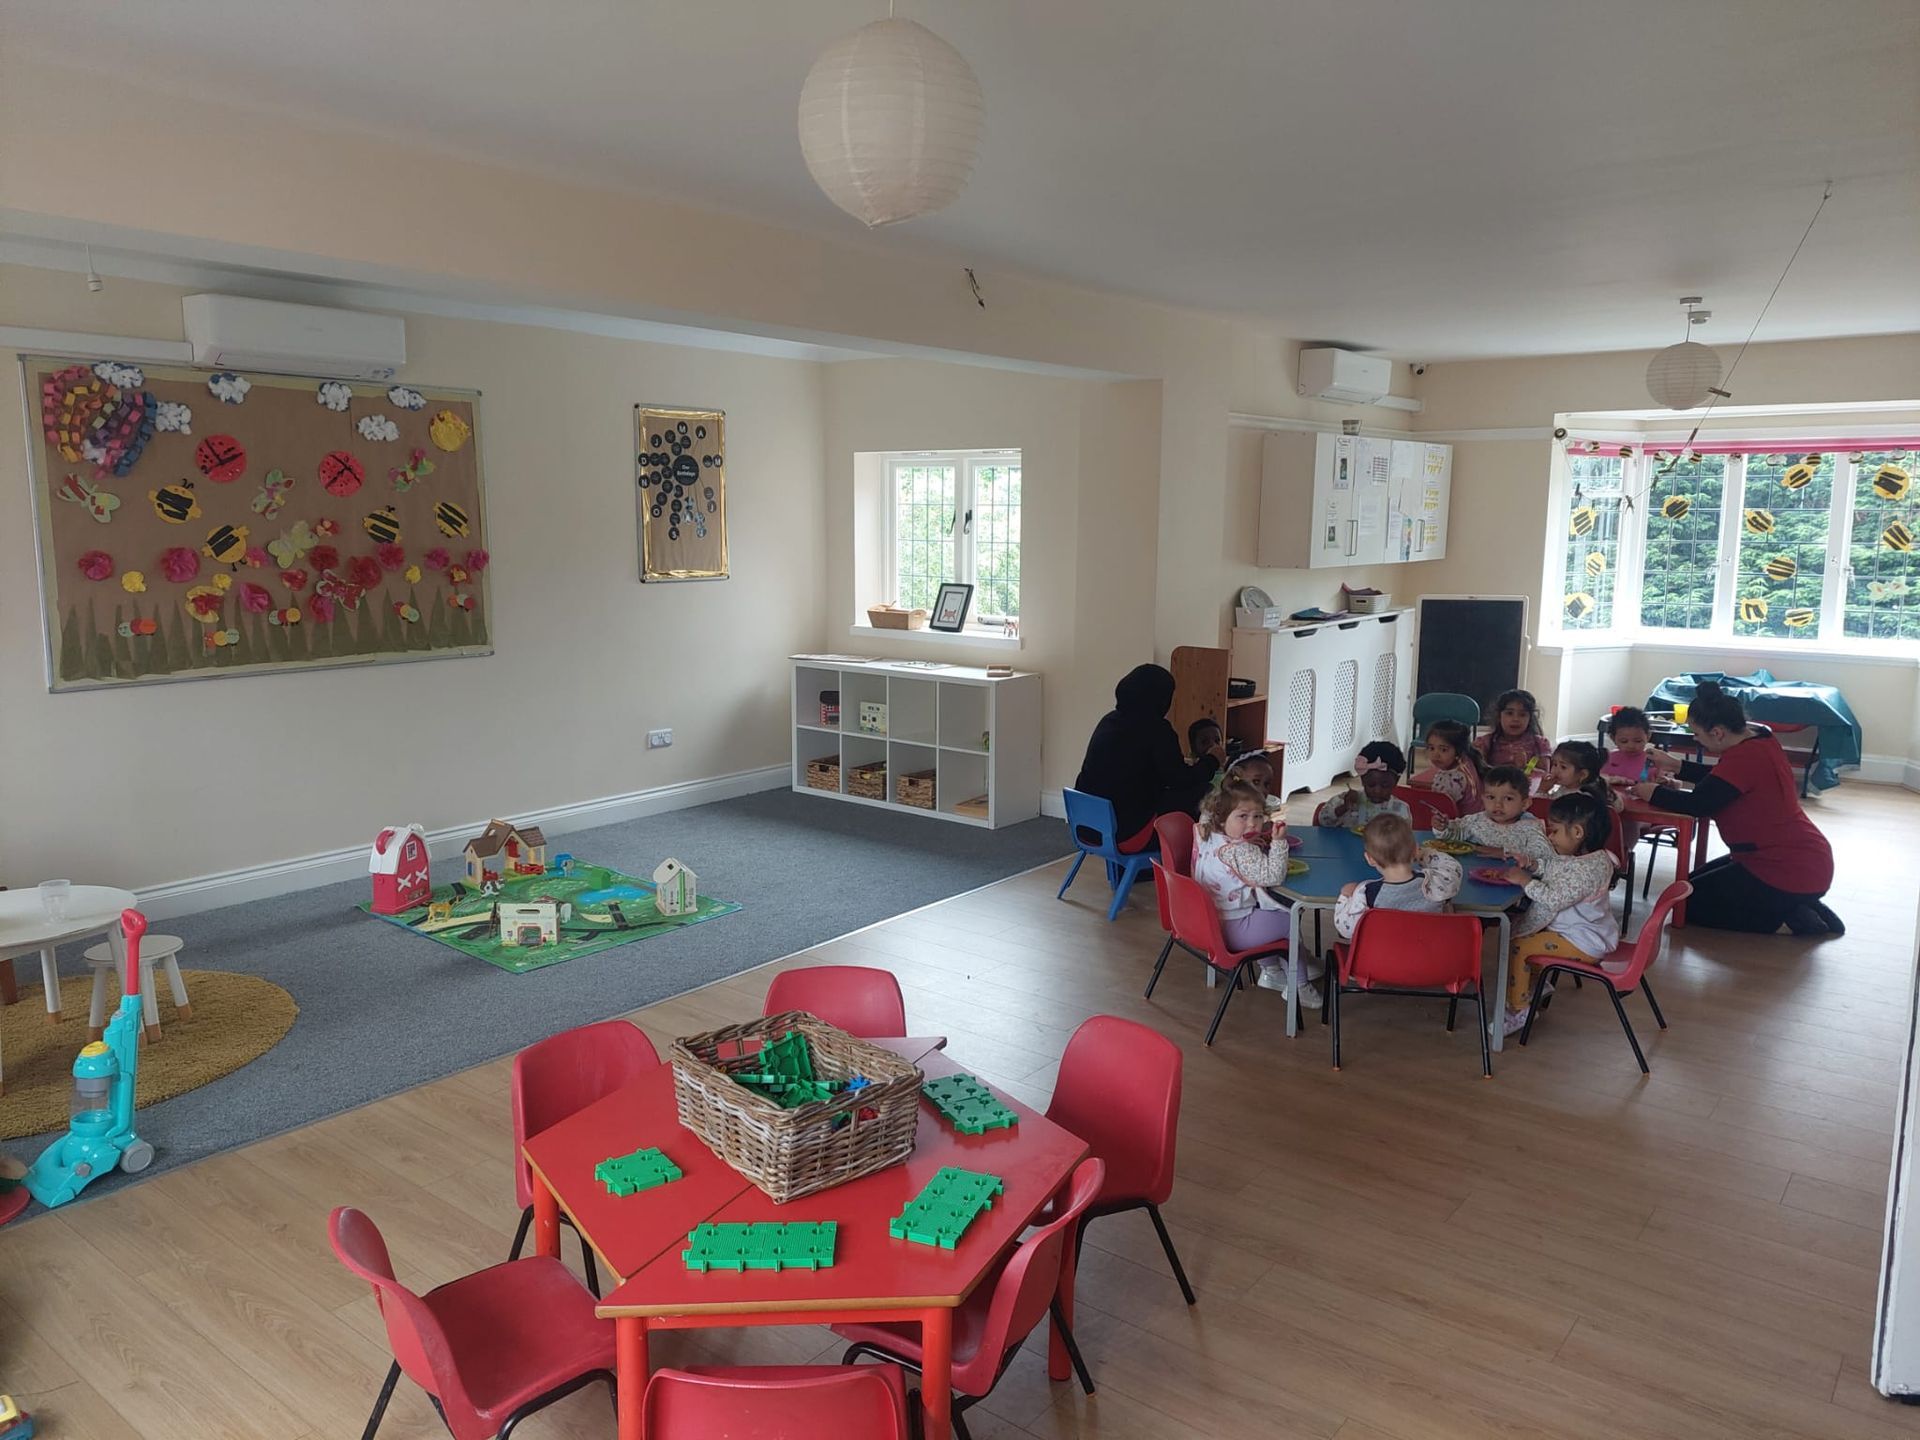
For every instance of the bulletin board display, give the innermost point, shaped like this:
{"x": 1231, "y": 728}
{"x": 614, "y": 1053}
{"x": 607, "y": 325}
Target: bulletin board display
{"x": 193, "y": 524}
{"x": 680, "y": 475}
{"x": 1471, "y": 645}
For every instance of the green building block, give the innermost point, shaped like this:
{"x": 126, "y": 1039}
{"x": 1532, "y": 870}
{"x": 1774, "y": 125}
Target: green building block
{"x": 785, "y": 1073}
{"x": 630, "y": 1174}
{"x": 942, "y": 1211}
{"x": 969, "y": 1105}
{"x": 801, "y": 1245}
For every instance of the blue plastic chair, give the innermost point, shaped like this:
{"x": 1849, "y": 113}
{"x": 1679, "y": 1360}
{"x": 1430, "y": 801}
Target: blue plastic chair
{"x": 1444, "y": 705}
{"x": 1095, "y": 814}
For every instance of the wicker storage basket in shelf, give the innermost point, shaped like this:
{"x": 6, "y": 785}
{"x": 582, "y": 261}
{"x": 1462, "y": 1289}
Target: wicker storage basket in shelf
{"x": 824, "y": 773}
{"x": 915, "y": 789}
{"x": 790, "y": 1153}
{"x": 869, "y": 780}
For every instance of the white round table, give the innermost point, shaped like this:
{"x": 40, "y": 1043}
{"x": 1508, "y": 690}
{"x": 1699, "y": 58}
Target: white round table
{"x": 24, "y": 928}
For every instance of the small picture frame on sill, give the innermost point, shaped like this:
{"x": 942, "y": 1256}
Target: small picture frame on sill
{"x": 950, "y": 608}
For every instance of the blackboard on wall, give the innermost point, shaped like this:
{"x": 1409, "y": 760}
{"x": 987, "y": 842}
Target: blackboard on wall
{"x": 1471, "y": 645}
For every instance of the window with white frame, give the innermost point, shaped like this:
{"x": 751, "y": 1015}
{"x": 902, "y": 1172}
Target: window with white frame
{"x": 1788, "y": 547}
{"x": 954, "y": 516}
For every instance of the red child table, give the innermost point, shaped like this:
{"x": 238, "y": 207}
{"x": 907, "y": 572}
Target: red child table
{"x": 1690, "y": 839}
{"x": 874, "y": 1278}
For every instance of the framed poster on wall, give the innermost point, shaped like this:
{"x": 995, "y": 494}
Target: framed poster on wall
{"x": 680, "y": 476}
{"x": 193, "y": 523}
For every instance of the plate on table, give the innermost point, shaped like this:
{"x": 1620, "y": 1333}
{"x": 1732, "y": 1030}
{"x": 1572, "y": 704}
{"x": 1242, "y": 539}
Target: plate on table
{"x": 1295, "y": 840}
{"x": 1452, "y": 847}
{"x": 1486, "y": 876}
{"x": 1296, "y": 866}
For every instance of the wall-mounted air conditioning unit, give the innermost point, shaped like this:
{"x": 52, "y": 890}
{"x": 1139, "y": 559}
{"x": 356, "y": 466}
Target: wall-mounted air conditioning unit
{"x": 229, "y": 332}
{"x": 1345, "y": 376}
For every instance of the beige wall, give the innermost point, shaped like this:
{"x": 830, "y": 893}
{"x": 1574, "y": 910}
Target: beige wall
{"x": 128, "y": 783}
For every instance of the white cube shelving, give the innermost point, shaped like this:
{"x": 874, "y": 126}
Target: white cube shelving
{"x": 979, "y": 735}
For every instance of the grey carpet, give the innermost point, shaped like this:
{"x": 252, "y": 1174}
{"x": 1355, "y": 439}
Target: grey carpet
{"x": 382, "y": 1010}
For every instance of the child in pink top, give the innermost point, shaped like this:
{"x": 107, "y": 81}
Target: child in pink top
{"x": 1516, "y": 738}
{"x": 1453, "y": 765}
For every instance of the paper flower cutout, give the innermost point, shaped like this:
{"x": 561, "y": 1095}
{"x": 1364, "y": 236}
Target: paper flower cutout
{"x": 364, "y": 571}
{"x": 477, "y": 561}
{"x": 417, "y": 468}
{"x": 460, "y": 602}
{"x": 405, "y": 611}
{"x": 335, "y": 395}
{"x": 223, "y": 581}
{"x": 458, "y": 575}
{"x": 341, "y": 591}
{"x": 324, "y": 557}
{"x": 449, "y": 431}
{"x": 326, "y": 529}
{"x": 294, "y": 579}
{"x": 179, "y": 564}
{"x": 413, "y": 574}
{"x": 96, "y": 565}
{"x": 229, "y": 388}
{"x": 377, "y": 427}
{"x": 288, "y": 616}
{"x": 436, "y": 559}
{"x": 320, "y": 607}
{"x": 170, "y": 417}
{"x": 255, "y": 558}
{"x": 204, "y": 602}
{"x": 391, "y": 557}
{"x": 255, "y": 598}
{"x": 134, "y": 583}
{"x": 127, "y": 377}
{"x": 406, "y": 399}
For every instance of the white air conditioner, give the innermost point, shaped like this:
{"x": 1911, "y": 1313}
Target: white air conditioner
{"x": 1345, "y": 376}
{"x": 229, "y": 332}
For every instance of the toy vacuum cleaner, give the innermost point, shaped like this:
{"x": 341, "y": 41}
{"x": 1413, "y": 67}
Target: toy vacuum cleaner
{"x": 100, "y": 1134}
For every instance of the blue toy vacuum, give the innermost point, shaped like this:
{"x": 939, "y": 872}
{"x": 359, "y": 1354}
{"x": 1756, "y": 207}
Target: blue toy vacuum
{"x": 100, "y": 1134}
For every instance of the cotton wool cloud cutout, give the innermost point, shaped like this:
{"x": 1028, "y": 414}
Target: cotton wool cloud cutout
{"x": 378, "y": 427}
{"x": 335, "y": 395}
{"x": 171, "y": 417}
{"x": 229, "y": 388}
{"x": 127, "y": 377}
{"x": 406, "y": 399}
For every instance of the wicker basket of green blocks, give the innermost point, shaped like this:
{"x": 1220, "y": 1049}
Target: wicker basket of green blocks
{"x": 779, "y": 1099}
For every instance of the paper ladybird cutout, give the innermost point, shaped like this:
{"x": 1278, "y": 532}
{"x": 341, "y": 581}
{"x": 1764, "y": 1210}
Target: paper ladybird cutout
{"x": 341, "y": 474}
{"x": 220, "y": 458}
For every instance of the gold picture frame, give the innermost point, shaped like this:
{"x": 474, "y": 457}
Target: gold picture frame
{"x": 680, "y": 492}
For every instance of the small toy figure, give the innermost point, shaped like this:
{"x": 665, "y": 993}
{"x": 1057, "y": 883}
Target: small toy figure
{"x": 15, "y": 1423}
{"x": 400, "y": 869}
{"x": 490, "y": 886}
{"x": 563, "y": 862}
{"x": 675, "y": 888}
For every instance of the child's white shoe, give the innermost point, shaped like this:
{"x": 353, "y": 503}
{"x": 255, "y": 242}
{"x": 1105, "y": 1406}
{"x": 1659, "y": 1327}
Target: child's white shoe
{"x": 1514, "y": 1023}
{"x": 1273, "y": 977}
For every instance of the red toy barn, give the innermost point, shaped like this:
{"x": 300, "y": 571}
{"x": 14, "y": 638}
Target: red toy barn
{"x": 399, "y": 868}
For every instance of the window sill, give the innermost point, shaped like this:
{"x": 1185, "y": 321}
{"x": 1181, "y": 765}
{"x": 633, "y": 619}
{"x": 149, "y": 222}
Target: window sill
{"x": 1670, "y": 642}
{"x": 969, "y": 639}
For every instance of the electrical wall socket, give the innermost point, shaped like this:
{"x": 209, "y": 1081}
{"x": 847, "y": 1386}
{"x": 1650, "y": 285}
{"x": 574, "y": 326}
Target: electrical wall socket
{"x": 659, "y": 739}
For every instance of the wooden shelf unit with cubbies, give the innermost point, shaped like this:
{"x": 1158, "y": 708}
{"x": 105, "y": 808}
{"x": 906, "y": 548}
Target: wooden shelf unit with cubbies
{"x": 978, "y": 735}
{"x": 1200, "y": 675}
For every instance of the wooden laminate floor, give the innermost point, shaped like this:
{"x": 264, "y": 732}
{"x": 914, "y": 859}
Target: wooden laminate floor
{"x": 1399, "y": 1251}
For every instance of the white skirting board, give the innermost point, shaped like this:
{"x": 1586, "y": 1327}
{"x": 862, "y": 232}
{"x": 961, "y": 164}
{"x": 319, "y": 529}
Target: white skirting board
{"x": 283, "y": 877}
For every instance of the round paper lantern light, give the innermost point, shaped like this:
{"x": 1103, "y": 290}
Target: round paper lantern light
{"x": 890, "y": 121}
{"x": 1681, "y": 376}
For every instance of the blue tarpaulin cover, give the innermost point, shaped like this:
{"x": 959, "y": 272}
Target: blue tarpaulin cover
{"x": 1781, "y": 702}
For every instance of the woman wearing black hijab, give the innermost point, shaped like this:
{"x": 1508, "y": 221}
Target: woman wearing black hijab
{"x": 1134, "y": 758}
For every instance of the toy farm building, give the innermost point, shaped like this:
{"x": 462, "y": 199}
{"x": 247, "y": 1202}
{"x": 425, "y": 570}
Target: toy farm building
{"x": 398, "y": 864}
{"x": 674, "y": 888}
{"x": 525, "y": 926}
{"x": 502, "y": 850}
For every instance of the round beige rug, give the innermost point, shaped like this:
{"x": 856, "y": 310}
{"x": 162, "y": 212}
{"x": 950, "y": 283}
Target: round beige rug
{"x": 236, "y": 1018}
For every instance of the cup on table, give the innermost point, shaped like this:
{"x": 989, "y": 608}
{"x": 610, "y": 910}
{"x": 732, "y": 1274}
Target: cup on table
{"x": 54, "y": 895}
{"x": 1680, "y": 708}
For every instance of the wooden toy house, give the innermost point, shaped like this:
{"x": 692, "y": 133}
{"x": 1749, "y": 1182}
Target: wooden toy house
{"x": 503, "y": 850}
{"x": 675, "y": 888}
{"x": 525, "y": 926}
{"x": 400, "y": 869}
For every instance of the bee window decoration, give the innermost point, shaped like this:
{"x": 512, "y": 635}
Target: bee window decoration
{"x": 1675, "y": 507}
{"x": 680, "y": 473}
{"x": 1890, "y": 483}
{"x": 1582, "y": 521}
{"x": 1759, "y": 522}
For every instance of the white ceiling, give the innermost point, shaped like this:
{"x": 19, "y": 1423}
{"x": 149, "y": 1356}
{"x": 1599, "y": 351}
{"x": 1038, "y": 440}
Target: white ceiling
{"x": 1437, "y": 179}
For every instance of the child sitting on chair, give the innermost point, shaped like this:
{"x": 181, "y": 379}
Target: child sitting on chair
{"x": 1516, "y": 738}
{"x": 1502, "y": 826}
{"x": 1256, "y": 768}
{"x": 1378, "y": 767}
{"x": 1576, "y": 765}
{"x": 1570, "y": 917}
{"x": 1453, "y": 765}
{"x": 1236, "y": 868}
{"x": 1628, "y": 763}
{"x": 1391, "y": 851}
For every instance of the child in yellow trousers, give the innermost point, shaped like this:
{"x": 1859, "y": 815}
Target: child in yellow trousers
{"x": 1570, "y": 918}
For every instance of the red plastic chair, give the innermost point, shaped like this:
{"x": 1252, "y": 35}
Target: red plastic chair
{"x": 1429, "y": 808}
{"x": 489, "y": 1348}
{"x": 1621, "y": 972}
{"x": 1175, "y": 834}
{"x": 1196, "y": 928}
{"x": 1119, "y": 1090}
{"x": 559, "y": 1076}
{"x": 778, "y": 1402}
{"x": 1409, "y": 952}
{"x": 994, "y": 1321}
{"x": 859, "y": 999}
